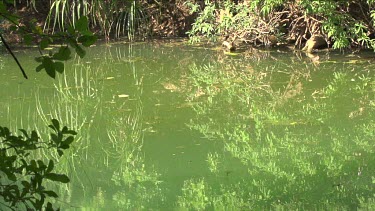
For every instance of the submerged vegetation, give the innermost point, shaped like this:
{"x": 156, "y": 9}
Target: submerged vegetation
{"x": 292, "y": 135}
{"x": 214, "y": 131}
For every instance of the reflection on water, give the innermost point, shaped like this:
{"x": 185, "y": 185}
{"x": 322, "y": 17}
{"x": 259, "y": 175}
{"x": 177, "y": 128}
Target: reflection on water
{"x": 170, "y": 126}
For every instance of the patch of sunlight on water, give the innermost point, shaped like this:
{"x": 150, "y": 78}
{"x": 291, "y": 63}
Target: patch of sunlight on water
{"x": 168, "y": 126}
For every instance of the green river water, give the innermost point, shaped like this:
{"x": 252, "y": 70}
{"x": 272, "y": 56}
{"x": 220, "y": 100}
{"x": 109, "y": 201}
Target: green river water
{"x": 170, "y": 126}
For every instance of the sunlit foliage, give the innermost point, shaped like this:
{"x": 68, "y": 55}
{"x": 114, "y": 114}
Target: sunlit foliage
{"x": 342, "y": 23}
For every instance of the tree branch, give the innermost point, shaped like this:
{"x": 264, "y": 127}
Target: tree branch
{"x": 14, "y": 57}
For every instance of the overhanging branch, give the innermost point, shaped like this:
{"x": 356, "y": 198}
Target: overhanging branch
{"x": 14, "y": 57}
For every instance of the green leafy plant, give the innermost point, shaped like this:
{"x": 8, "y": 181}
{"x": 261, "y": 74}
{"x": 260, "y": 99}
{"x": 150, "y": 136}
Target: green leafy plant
{"x": 118, "y": 17}
{"x": 205, "y": 23}
{"x": 52, "y": 62}
{"x": 342, "y": 23}
{"x": 76, "y": 36}
{"x": 22, "y": 176}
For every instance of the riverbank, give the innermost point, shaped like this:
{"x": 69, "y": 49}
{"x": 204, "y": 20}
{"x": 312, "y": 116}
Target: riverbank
{"x": 234, "y": 23}
{"x": 109, "y": 21}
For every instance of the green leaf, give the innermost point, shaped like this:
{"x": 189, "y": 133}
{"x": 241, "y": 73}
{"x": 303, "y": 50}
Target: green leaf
{"x": 59, "y": 67}
{"x": 25, "y": 184}
{"x": 82, "y": 24}
{"x": 39, "y": 59}
{"x": 39, "y": 203}
{"x": 63, "y": 146}
{"x": 72, "y": 42}
{"x": 24, "y": 163}
{"x": 32, "y": 166}
{"x": 49, "y": 207}
{"x": 44, "y": 43}
{"x": 52, "y": 127}
{"x": 55, "y": 138}
{"x": 77, "y": 48}
{"x": 81, "y": 53}
{"x": 68, "y": 140}
{"x": 51, "y": 193}
{"x": 57, "y": 177}
{"x": 70, "y": 30}
{"x": 41, "y": 164}
{"x": 60, "y": 152}
{"x": 63, "y": 54}
{"x": 56, "y": 124}
{"x": 50, "y": 167}
{"x": 65, "y": 128}
{"x": 26, "y": 188}
{"x": 11, "y": 176}
{"x": 72, "y": 132}
{"x": 24, "y": 133}
{"x": 34, "y": 136}
{"x": 87, "y": 40}
{"x": 49, "y": 66}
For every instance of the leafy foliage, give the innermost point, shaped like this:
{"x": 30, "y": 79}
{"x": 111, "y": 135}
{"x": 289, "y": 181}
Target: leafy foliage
{"x": 112, "y": 17}
{"x": 74, "y": 37}
{"x": 52, "y": 62}
{"x": 21, "y": 175}
{"x": 343, "y": 23}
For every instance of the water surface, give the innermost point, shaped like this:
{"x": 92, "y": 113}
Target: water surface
{"x": 169, "y": 126}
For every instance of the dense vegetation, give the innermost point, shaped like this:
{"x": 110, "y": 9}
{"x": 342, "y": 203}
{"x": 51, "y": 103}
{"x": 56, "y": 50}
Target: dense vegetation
{"x": 24, "y": 172}
{"x": 340, "y": 24}
{"x": 109, "y": 19}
